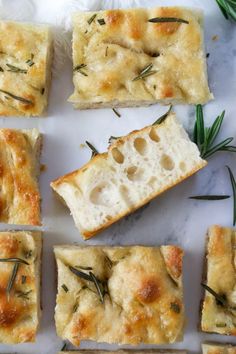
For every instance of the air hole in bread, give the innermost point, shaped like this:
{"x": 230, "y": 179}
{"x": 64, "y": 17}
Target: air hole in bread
{"x": 124, "y": 191}
{"x": 182, "y": 166}
{"x": 117, "y": 155}
{"x": 152, "y": 182}
{"x": 101, "y": 195}
{"x": 153, "y": 135}
{"x": 134, "y": 173}
{"x": 140, "y": 145}
{"x": 167, "y": 163}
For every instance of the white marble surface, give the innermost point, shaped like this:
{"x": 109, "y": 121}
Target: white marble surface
{"x": 171, "y": 218}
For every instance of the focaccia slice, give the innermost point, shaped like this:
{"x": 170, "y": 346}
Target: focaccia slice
{"x": 219, "y": 305}
{"x": 19, "y": 170}
{"x": 137, "y": 168}
{"x": 122, "y": 59}
{"x": 25, "y": 68}
{"x": 20, "y": 263}
{"x": 122, "y": 295}
{"x": 217, "y": 348}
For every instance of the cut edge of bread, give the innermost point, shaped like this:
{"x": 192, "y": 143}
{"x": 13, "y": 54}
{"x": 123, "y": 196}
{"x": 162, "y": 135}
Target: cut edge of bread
{"x": 66, "y": 178}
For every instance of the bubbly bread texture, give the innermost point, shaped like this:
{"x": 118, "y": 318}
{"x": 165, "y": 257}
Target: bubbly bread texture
{"x": 19, "y": 170}
{"x": 112, "y": 48}
{"x": 19, "y": 307}
{"x": 220, "y": 276}
{"x": 136, "y": 168}
{"x": 217, "y": 348}
{"x": 141, "y": 291}
{"x": 144, "y": 351}
{"x": 25, "y": 74}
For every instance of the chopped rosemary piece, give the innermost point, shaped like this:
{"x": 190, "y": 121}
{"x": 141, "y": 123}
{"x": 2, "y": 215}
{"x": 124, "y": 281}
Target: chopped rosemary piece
{"x": 167, "y": 19}
{"x": 219, "y": 299}
{"x": 113, "y": 138}
{"x": 78, "y": 69}
{"x": 101, "y": 21}
{"x": 14, "y": 260}
{"x": 163, "y": 117}
{"x": 145, "y": 72}
{"x": 175, "y": 307}
{"x": 24, "y": 295}
{"x": 210, "y": 197}
{"x": 30, "y": 61}
{"x": 64, "y": 287}
{"x": 23, "y": 279}
{"x": 228, "y": 8}
{"x": 109, "y": 262}
{"x": 12, "y": 279}
{"x": 233, "y": 183}
{"x": 97, "y": 284}
{"x": 94, "y": 151}
{"x": 91, "y": 19}
{"x": 75, "y": 308}
{"x": 219, "y": 325}
{"x": 1, "y": 69}
{"x": 21, "y": 99}
{"x": 15, "y": 69}
{"x": 116, "y": 112}
{"x": 42, "y": 91}
{"x": 205, "y": 137}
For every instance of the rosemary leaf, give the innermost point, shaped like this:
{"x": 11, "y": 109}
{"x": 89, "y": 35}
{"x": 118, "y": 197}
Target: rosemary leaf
{"x": 94, "y": 151}
{"x": 78, "y": 68}
{"x": 228, "y": 8}
{"x": 42, "y": 91}
{"x": 80, "y": 274}
{"x": 163, "y": 117}
{"x": 14, "y": 260}
{"x": 91, "y": 19}
{"x": 220, "y": 325}
{"x": 12, "y": 279}
{"x": 218, "y": 147}
{"x": 233, "y": 183}
{"x": 167, "y": 19}
{"x": 116, "y": 112}
{"x": 21, "y": 99}
{"x": 98, "y": 286}
{"x": 1, "y": 69}
{"x": 23, "y": 279}
{"x": 210, "y": 197}
{"x": 220, "y": 299}
{"x": 64, "y": 287}
{"x": 63, "y": 347}
{"x": 101, "y": 21}
{"x": 15, "y": 69}
{"x": 84, "y": 268}
{"x": 24, "y": 295}
{"x": 145, "y": 72}
{"x": 30, "y": 61}
{"x": 112, "y": 139}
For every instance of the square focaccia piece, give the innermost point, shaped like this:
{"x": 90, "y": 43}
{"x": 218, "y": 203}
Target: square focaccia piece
{"x": 219, "y": 304}
{"x": 20, "y": 263}
{"x": 217, "y": 348}
{"x": 145, "y": 351}
{"x": 25, "y": 61}
{"x": 122, "y": 295}
{"x": 136, "y": 57}
{"x": 19, "y": 169}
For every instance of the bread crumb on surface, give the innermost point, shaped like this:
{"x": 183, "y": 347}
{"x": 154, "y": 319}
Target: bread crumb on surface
{"x": 215, "y": 37}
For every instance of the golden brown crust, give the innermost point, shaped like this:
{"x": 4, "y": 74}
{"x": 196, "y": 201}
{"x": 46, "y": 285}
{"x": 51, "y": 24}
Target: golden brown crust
{"x": 20, "y": 310}
{"x": 116, "y": 52}
{"x": 19, "y": 195}
{"x": 217, "y": 348}
{"x": 142, "y": 302}
{"x": 221, "y": 277}
{"x": 28, "y": 48}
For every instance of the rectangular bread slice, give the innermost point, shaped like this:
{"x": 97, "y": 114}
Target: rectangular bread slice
{"x": 218, "y": 348}
{"x": 122, "y": 59}
{"x": 19, "y": 170}
{"x": 136, "y": 168}
{"x": 219, "y": 309}
{"x": 121, "y": 295}
{"x": 127, "y": 351}
{"x": 25, "y": 68}
{"x": 20, "y": 254}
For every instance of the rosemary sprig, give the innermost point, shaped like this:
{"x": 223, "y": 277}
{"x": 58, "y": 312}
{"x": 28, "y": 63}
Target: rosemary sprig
{"x": 210, "y": 197}
{"x": 91, "y": 19}
{"x": 78, "y": 68}
{"x": 116, "y": 112}
{"x": 12, "y": 279}
{"x": 15, "y": 69}
{"x": 94, "y": 150}
{"x": 145, "y": 72}
{"x": 101, "y": 21}
{"x": 21, "y": 99}
{"x": 220, "y": 299}
{"x": 14, "y": 260}
{"x": 205, "y": 137}
{"x": 228, "y": 8}
{"x": 167, "y": 19}
{"x": 163, "y": 117}
{"x": 233, "y": 183}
